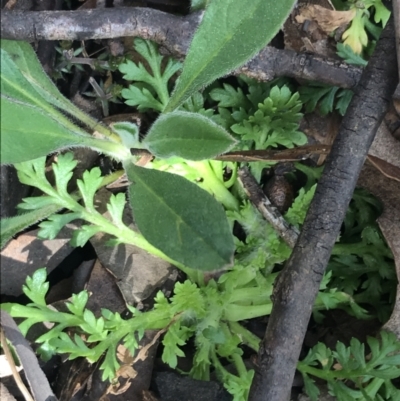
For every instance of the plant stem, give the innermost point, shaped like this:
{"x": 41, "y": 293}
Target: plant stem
{"x": 239, "y": 364}
{"x": 330, "y": 375}
{"x": 96, "y": 126}
{"x": 247, "y": 337}
{"x": 235, "y": 313}
{"x": 253, "y": 295}
{"x": 113, "y": 149}
{"x": 215, "y": 186}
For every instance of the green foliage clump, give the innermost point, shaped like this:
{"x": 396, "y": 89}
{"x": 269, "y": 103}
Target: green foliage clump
{"x": 353, "y": 373}
{"x": 261, "y": 116}
{"x": 327, "y": 98}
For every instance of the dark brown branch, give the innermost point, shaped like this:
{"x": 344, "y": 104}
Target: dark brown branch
{"x": 297, "y": 286}
{"x": 173, "y": 33}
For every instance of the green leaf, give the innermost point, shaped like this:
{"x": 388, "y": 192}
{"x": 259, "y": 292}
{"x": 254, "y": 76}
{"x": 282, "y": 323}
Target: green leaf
{"x": 175, "y": 337}
{"x": 39, "y": 133}
{"x": 25, "y": 60}
{"x": 157, "y": 80}
{"x": 78, "y": 303}
{"x": 33, "y": 112}
{"x": 50, "y": 228}
{"x": 36, "y": 286}
{"x": 13, "y": 225}
{"x": 115, "y": 207}
{"x": 349, "y": 56}
{"x": 83, "y": 235}
{"x": 36, "y": 202}
{"x": 110, "y": 364}
{"x": 231, "y": 32}
{"x": 187, "y": 135}
{"x": 90, "y": 183}
{"x": 230, "y": 97}
{"x": 180, "y": 219}
{"x": 382, "y": 14}
{"x": 142, "y": 98}
{"x": 310, "y": 387}
{"x": 63, "y": 171}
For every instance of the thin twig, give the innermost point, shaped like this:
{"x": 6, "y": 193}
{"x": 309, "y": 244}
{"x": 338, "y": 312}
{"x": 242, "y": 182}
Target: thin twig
{"x": 37, "y": 380}
{"x": 270, "y": 213}
{"x": 25, "y": 392}
{"x": 295, "y": 154}
{"x": 174, "y": 34}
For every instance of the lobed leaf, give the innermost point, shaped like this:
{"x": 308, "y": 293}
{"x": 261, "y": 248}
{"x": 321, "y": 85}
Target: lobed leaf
{"x": 36, "y": 287}
{"x": 90, "y": 183}
{"x": 115, "y": 207}
{"x": 50, "y": 228}
{"x": 83, "y": 235}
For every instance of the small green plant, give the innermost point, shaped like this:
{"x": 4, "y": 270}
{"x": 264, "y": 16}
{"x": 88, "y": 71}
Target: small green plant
{"x": 353, "y": 373}
{"x": 182, "y": 186}
{"x": 356, "y": 36}
{"x": 327, "y": 98}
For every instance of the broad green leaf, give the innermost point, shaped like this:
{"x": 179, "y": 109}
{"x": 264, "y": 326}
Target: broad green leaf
{"x": 26, "y": 62}
{"x": 11, "y": 226}
{"x": 180, "y": 219}
{"x": 16, "y": 86}
{"x": 187, "y": 135}
{"x": 29, "y": 133}
{"x": 35, "y": 133}
{"x": 231, "y": 32}
{"x": 32, "y": 124}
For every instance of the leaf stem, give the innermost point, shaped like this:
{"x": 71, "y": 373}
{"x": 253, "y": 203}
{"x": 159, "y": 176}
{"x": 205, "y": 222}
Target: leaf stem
{"x": 247, "y": 337}
{"x": 214, "y": 185}
{"x": 235, "y": 313}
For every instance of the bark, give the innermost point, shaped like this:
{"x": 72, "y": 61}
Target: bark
{"x": 173, "y": 33}
{"x": 298, "y": 283}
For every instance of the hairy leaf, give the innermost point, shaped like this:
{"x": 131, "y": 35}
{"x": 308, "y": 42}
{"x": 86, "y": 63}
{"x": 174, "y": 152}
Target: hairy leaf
{"x": 231, "y": 32}
{"x": 35, "y": 133}
{"x": 13, "y": 225}
{"x": 187, "y": 135}
{"x": 180, "y": 219}
{"x": 25, "y": 60}
{"x": 32, "y": 124}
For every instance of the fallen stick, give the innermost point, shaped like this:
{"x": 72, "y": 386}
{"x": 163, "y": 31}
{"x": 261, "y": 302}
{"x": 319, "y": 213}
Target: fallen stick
{"x": 173, "y": 33}
{"x": 297, "y": 286}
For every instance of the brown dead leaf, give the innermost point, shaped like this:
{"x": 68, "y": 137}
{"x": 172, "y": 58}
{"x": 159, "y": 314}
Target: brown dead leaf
{"x": 328, "y": 20}
{"x": 386, "y": 148}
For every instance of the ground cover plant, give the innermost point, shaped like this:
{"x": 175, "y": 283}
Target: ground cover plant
{"x": 168, "y": 196}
